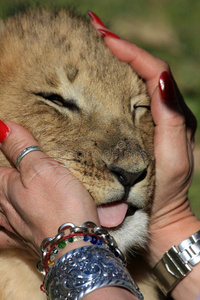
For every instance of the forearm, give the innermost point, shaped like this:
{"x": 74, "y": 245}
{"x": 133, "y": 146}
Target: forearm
{"x": 108, "y": 293}
{"x": 189, "y": 287}
{"x": 163, "y": 239}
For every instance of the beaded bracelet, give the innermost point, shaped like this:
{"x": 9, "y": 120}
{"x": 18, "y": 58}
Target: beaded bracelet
{"x": 61, "y": 244}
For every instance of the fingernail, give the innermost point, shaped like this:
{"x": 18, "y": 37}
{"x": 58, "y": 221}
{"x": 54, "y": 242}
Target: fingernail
{"x": 95, "y": 18}
{"x": 167, "y": 88}
{"x": 4, "y": 131}
{"x": 107, "y": 33}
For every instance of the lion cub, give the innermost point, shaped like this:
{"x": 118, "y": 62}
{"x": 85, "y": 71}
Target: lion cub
{"x": 89, "y": 111}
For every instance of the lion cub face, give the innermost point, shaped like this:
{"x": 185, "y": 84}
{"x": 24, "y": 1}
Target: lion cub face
{"x": 87, "y": 110}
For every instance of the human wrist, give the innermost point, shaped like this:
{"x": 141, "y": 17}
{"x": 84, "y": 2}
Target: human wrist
{"x": 49, "y": 228}
{"x": 169, "y": 226}
{"x": 43, "y": 234}
{"x": 110, "y": 292}
{"x": 178, "y": 271}
{"x": 68, "y": 233}
{"x": 104, "y": 254}
{"x": 163, "y": 238}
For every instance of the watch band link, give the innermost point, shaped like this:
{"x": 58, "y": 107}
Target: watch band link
{"x": 176, "y": 263}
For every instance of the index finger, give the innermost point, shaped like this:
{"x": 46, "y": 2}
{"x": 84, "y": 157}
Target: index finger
{"x": 18, "y": 140}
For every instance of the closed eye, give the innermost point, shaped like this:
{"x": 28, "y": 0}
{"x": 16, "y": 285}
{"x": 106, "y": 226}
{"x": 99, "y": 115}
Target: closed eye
{"x": 142, "y": 106}
{"x": 59, "y": 100}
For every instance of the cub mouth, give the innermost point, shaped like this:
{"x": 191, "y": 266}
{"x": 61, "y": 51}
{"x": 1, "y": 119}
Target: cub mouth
{"x": 112, "y": 215}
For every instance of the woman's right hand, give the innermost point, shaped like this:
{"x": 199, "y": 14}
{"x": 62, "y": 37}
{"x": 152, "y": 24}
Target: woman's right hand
{"x": 175, "y": 127}
{"x": 172, "y": 220}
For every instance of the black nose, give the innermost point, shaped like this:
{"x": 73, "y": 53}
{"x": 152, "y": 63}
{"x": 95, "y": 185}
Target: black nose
{"x": 127, "y": 178}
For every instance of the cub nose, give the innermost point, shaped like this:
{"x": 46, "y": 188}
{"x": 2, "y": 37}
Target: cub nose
{"x": 127, "y": 178}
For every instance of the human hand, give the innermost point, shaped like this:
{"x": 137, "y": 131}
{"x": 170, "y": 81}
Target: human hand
{"x": 38, "y": 198}
{"x": 175, "y": 125}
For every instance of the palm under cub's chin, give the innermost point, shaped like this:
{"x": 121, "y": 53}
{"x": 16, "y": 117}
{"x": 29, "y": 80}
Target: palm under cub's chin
{"x": 87, "y": 110}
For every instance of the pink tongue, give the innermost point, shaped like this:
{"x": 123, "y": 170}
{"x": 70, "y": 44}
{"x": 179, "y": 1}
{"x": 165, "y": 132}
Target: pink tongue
{"x": 112, "y": 215}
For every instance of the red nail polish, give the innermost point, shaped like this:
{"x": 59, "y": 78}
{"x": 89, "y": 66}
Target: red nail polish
{"x": 107, "y": 33}
{"x": 4, "y": 131}
{"x": 95, "y": 18}
{"x": 167, "y": 88}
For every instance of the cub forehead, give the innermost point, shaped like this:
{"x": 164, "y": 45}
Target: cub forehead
{"x": 59, "y": 37}
{"x": 63, "y": 53}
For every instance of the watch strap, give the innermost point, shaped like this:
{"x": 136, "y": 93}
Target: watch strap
{"x": 176, "y": 263}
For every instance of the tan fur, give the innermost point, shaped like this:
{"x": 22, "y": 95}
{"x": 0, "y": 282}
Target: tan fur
{"x": 106, "y": 125}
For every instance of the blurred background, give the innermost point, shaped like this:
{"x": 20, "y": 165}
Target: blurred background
{"x": 168, "y": 29}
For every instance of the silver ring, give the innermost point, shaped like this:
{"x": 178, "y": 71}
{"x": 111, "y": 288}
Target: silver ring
{"x": 25, "y": 152}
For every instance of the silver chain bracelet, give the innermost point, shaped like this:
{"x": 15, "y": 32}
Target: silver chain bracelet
{"x": 69, "y": 229}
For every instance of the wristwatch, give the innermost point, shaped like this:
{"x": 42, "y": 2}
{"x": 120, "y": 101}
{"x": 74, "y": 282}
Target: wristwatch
{"x": 176, "y": 263}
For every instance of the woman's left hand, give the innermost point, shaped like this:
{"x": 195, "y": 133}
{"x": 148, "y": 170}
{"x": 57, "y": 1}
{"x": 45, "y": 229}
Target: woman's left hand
{"x": 38, "y": 198}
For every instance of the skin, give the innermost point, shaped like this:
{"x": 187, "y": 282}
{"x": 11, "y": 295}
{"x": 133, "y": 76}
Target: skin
{"x": 23, "y": 192}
